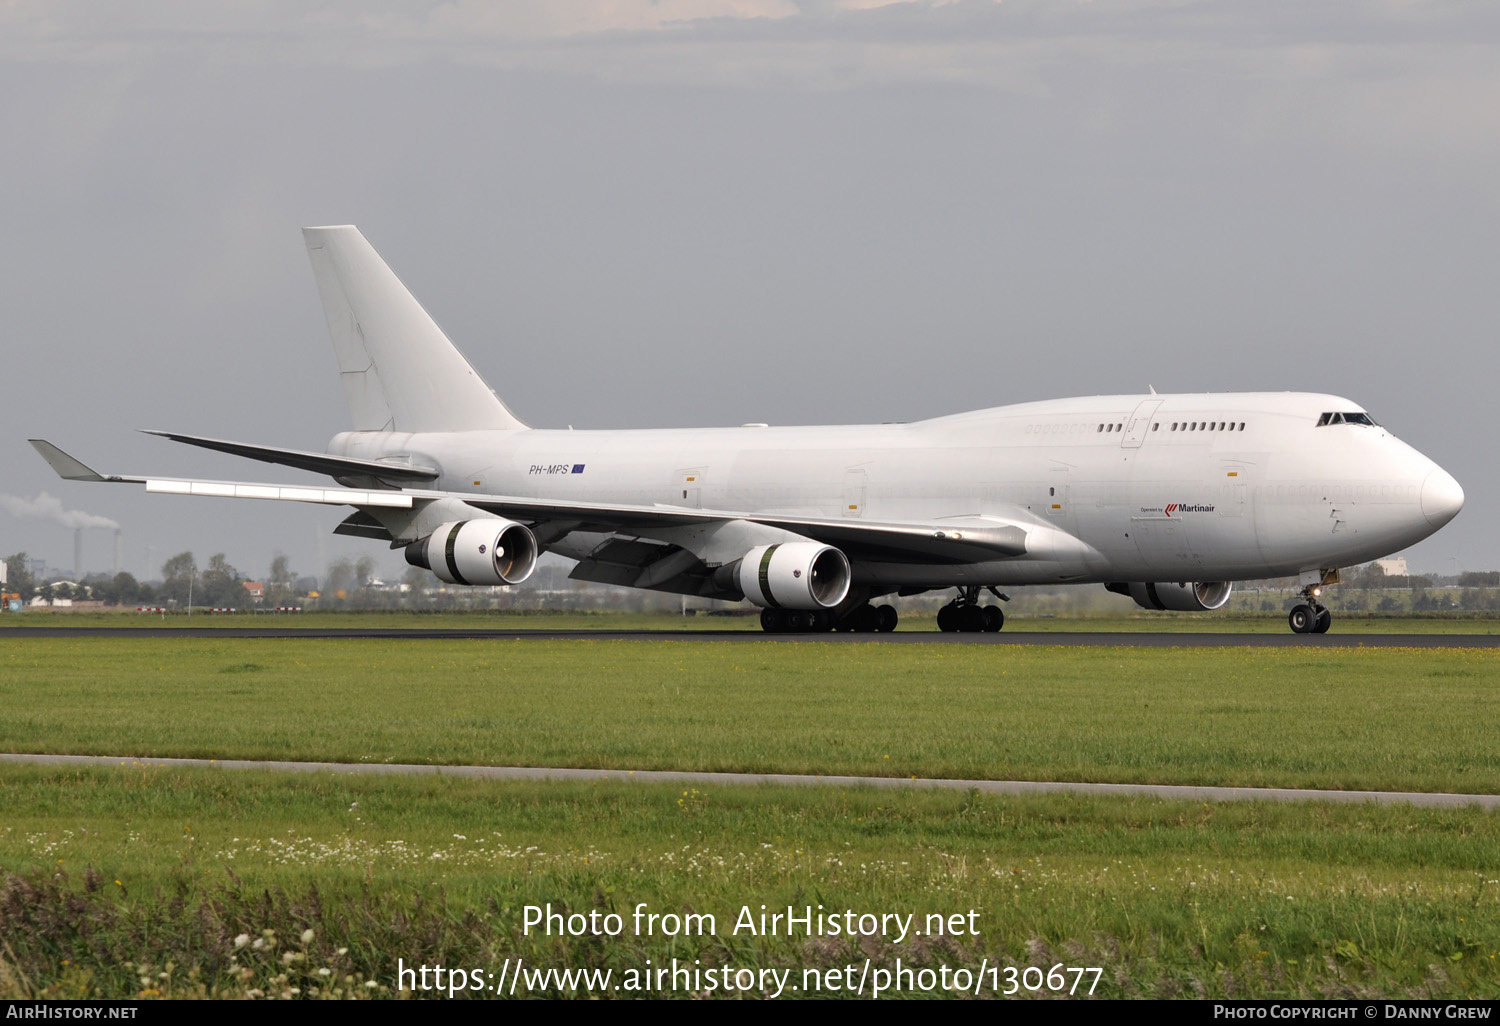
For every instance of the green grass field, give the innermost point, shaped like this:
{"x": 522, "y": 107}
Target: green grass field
{"x": 138, "y": 880}
{"x": 112, "y": 877}
{"x": 1342, "y": 718}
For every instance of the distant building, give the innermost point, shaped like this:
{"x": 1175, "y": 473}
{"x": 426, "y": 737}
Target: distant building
{"x": 1393, "y": 567}
{"x": 257, "y": 589}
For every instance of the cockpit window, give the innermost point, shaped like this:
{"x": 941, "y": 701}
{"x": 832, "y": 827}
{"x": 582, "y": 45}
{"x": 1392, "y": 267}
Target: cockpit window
{"x": 1346, "y": 418}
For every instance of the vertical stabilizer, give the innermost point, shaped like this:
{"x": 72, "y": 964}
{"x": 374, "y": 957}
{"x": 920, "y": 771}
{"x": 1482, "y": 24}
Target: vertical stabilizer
{"x": 399, "y": 370}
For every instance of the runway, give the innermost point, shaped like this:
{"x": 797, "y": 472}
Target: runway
{"x": 1074, "y": 639}
{"x": 1177, "y": 792}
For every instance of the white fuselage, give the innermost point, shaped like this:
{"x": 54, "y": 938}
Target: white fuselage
{"x": 1207, "y": 487}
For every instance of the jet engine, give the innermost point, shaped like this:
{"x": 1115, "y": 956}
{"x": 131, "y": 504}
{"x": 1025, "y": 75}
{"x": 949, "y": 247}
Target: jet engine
{"x": 794, "y": 575}
{"x": 490, "y": 551}
{"x": 1188, "y": 597}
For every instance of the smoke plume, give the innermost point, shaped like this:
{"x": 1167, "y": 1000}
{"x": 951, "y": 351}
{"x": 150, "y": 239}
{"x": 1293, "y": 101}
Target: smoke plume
{"x": 49, "y": 507}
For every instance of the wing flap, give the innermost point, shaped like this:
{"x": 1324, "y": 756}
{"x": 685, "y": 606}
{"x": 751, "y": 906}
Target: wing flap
{"x": 285, "y": 493}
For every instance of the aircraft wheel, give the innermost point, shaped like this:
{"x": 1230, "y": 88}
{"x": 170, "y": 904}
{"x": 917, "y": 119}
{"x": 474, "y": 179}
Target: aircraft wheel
{"x": 1302, "y": 619}
{"x": 887, "y": 616}
{"x": 772, "y": 621}
{"x": 865, "y": 619}
{"x": 948, "y": 618}
{"x": 994, "y": 619}
{"x": 1325, "y": 620}
{"x": 971, "y": 619}
{"x": 798, "y": 621}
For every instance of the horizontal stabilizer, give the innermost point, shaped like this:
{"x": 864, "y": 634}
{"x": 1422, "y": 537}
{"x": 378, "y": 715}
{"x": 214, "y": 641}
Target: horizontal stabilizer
{"x": 317, "y": 462}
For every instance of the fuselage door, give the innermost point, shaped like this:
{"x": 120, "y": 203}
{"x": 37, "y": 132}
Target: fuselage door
{"x": 1139, "y": 424}
{"x": 1057, "y": 491}
{"x": 689, "y": 488}
{"x": 854, "y": 493}
{"x": 1232, "y": 489}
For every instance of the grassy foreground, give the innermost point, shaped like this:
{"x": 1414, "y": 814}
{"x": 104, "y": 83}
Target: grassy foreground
{"x": 125, "y": 882}
{"x": 1339, "y": 717}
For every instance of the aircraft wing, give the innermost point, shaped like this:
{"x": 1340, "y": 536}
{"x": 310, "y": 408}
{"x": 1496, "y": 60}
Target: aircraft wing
{"x": 71, "y": 469}
{"x": 957, "y": 540}
{"x": 317, "y": 462}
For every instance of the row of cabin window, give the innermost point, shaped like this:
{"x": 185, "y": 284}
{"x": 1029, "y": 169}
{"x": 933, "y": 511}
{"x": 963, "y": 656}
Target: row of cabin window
{"x": 1198, "y": 425}
{"x": 1201, "y": 425}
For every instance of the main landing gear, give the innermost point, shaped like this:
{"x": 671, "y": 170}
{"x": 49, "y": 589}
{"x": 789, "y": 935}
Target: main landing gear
{"x": 864, "y": 618}
{"x": 966, "y": 614}
{"x": 1310, "y": 617}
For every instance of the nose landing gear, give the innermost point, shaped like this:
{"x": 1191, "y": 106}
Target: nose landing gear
{"x": 1310, "y": 617}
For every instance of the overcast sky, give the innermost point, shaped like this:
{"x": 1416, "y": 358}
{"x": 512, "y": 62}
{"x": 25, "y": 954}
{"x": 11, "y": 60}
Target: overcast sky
{"x": 689, "y": 212}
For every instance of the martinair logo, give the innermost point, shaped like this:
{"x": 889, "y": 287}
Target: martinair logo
{"x": 1186, "y": 507}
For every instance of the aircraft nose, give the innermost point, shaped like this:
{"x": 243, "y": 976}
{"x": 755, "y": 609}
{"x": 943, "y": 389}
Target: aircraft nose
{"x": 1442, "y": 497}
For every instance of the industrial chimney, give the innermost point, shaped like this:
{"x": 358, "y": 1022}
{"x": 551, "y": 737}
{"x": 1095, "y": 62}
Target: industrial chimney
{"x": 119, "y": 550}
{"x": 77, "y": 553}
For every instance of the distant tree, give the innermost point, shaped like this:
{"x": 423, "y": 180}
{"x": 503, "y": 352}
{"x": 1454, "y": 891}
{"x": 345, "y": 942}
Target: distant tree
{"x": 221, "y": 583}
{"x": 19, "y": 578}
{"x": 123, "y": 589}
{"x": 340, "y": 580}
{"x": 1370, "y": 576}
{"x": 178, "y": 576}
{"x": 1480, "y": 579}
{"x": 280, "y": 580}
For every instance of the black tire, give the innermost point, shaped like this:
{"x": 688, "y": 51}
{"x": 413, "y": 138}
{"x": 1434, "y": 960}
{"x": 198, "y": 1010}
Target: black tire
{"x": 772, "y": 621}
{"x": 1325, "y": 620}
{"x": 798, "y": 621}
{"x": 1302, "y": 619}
{"x": 971, "y": 619}
{"x": 866, "y": 619}
{"x": 948, "y": 618}
{"x": 994, "y": 619}
{"x": 888, "y": 618}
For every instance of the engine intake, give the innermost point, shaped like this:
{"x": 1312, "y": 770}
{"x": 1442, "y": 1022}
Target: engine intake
{"x": 1187, "y": 597}
{"x": 794, "y": 575}
{"x": 477, "y": 552}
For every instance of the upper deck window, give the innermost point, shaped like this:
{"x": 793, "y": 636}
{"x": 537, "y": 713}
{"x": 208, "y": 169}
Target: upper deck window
{"x": 1346, "y": 418}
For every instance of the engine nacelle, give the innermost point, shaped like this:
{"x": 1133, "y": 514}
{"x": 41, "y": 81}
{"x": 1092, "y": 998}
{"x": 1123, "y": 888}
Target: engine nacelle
{"x": 490, "y": 551}
{"x": 1187, "y": 597}
{"x": 794, "y": 575}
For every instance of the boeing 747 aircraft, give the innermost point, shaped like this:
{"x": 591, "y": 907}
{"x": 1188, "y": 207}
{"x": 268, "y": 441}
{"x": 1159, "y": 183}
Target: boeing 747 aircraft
{"x": 1166, "y": 498}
